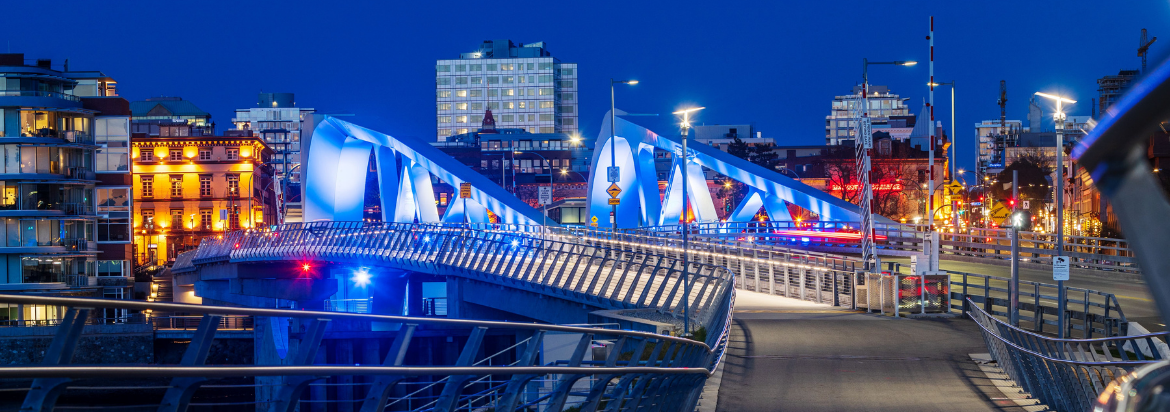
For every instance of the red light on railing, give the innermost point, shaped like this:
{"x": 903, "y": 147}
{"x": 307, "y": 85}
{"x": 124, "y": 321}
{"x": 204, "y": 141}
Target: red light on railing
{"x": 306, "y": 267}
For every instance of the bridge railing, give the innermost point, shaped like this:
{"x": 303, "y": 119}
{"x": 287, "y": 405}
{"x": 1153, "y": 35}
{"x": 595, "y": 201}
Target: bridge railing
{"x": 639, "y": 369}
{"x": 587, "y": 271}
{"x": 1092, "y": 253}
{"x": 1065, "y": 374}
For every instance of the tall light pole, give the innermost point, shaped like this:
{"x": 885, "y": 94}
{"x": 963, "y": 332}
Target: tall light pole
{"x": 1059, "y": 117}
{"x": 686, "y": 128}
{"x": 614, "y": 173}
{"x": 864, "y": 143}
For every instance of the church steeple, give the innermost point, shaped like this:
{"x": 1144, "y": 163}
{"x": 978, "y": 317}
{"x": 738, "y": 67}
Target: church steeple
{"x": 489, "y": 122}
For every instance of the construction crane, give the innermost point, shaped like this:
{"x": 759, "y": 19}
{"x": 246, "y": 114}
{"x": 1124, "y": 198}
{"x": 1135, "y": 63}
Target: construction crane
{"x": 1002, "y": 107}
{"x": 1144, "y": 47}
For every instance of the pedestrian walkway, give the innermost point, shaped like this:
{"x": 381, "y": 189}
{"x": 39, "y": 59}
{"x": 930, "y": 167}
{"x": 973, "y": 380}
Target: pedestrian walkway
{"x": 787, "y": 354}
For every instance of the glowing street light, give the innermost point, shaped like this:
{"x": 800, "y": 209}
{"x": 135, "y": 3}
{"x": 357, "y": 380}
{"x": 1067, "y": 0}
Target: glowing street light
{"x": 686, "y": 128}
{"x": 1059, "y": 117}
{"x": 613, "y": 173}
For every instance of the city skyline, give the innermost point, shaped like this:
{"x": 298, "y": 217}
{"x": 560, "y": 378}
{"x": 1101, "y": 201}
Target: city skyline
{"x": 782, "y": 87}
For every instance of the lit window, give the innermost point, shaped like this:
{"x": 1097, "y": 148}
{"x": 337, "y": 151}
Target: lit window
{"x": 205, "y": 219}
{"x": 461, "y": 106}
{"x": 509, "y": 105}
{"x": 147, "y": 154}
{"x": 147, "y": 186}
{"x": 176, "y": 219}
{"x": 177, "y": 186}
{"x": 506, "y": 79}
{"x": 444, "y": 119}
{"x": 509, "y": 92}
{"x": 204, "y": 186}
{"x": 460, "y": 119}
{"x": 506, "y": 66}
{"x": 546, "y": 105}
{"x": 233, "y": 154}
{"x": 204, "y": 154}
{"x": 233, "y": 185}
{"x": 444, "y": 106}
{"x": 444, "y": 93}
{"x": 461, "y": 93}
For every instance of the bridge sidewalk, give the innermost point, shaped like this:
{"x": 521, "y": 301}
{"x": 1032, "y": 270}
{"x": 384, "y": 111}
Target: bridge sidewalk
{"x": 786, "y": 354}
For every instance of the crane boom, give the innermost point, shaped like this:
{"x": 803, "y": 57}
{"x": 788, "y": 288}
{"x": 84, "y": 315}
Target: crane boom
{"x": 1144, "y": 48}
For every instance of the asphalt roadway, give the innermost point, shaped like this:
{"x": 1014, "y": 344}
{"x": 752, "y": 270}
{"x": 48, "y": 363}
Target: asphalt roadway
{"x": 789, "y": 355}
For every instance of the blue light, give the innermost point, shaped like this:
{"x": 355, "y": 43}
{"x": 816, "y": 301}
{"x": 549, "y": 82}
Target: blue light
{"x": 361, "y": 277}
{"x": 427, "y": 238}
{"x": 515, "y": 243}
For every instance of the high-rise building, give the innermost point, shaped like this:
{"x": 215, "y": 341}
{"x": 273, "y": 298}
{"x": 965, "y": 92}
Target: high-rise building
{"x": 51, "y": 120}
{"x": 523, "y": 84}
{"x": 841, "y": 124}
{"x": 278, "y": 122}
{"x": 1112, "y": 87}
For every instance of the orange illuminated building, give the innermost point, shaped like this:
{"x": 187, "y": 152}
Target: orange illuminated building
{"x": 187, "y": 188}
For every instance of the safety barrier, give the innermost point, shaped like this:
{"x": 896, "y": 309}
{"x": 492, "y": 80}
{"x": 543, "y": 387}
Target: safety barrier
{"x": 1065, "y": 374}
{"x": 1090, "y": 253}
{"x": 639, "y": 370}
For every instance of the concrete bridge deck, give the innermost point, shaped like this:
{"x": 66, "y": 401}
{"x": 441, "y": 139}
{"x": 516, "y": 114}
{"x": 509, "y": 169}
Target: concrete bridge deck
{"x": 786, "y": 354}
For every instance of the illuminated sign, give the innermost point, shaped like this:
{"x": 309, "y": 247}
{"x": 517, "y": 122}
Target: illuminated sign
{"x": 877, "y": 187}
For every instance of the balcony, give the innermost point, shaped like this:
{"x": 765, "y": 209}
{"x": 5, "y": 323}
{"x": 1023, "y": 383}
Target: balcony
{"x": 80, "y": 173}
{"x": 37, "y": 93}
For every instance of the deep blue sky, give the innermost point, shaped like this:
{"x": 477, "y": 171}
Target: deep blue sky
{"x": 777, "y": 64}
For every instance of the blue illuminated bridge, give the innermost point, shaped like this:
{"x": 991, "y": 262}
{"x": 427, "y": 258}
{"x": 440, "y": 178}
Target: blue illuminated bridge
{"x": 423, "y": 312}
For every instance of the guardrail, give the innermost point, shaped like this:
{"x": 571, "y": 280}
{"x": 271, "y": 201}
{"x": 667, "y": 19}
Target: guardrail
{"x": 1065, "y": 374}
{"x": 1093, "y": 253}
{"x": 641, "y": 370}
{"x": 588, "y": 272}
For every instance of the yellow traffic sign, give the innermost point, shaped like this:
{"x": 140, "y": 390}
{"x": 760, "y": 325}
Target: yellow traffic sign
{"x": 613, "y": 191}
{"x": 615, "y": 201}
{"x": 465, "y": 190}
{"x": 593, "y": 221}
{"x": 953, "y": 189}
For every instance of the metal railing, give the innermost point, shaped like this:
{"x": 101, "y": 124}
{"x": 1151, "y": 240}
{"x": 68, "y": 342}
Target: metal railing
{"x": 586, "y": 271}
{"x": 1065, "y": 374}
{"x": 1093, "y": 253}
{"x": 192, "y": 322}
{"x": 641, "y": 370}
{"x": 39, "y": 93}
{"x": 1093, "y": 313}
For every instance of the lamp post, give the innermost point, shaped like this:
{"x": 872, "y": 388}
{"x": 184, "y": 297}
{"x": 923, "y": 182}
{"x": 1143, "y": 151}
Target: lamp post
{"x": 865, "y": 143}
{"x": 614, "y": 173}
{"x": 686, "y": 128}
{"x": 550, "y": 185}
{"x": 1059, "y": 117}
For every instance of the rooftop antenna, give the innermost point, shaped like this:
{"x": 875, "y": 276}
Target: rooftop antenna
{"x": 1144, "y": 47}
{"x": 1002, "y": 107}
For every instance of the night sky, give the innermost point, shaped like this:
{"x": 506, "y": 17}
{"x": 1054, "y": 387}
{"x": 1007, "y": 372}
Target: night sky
{"x": 775, "y": 64}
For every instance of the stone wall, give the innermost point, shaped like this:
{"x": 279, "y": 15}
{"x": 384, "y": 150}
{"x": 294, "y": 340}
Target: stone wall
{"x": 99, "y": 344}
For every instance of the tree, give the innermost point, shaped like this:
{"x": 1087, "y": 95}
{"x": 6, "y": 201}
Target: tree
{"x": 1033, "y": 170}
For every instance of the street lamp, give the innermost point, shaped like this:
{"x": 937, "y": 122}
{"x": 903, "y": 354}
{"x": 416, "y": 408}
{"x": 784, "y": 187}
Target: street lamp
{"x": 686, "y": 128}
{"x": 1059, "y": 117}
{"x": 865, "y": 143}
{"x": 614, "y": 173}
{"x": 550, "y": 185}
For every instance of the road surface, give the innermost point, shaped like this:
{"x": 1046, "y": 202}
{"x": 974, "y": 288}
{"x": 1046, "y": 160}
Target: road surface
{"x": 788, "y": 355}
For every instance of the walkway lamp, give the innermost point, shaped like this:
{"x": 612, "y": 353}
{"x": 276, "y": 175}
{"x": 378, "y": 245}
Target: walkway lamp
{"x": 1059, "y": 118}
{"x": 614, "y": 173}
{"x": 686, "y": 128}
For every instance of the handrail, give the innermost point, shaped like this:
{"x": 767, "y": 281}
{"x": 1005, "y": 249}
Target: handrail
{"x": 309, "y": 314}
{"x": 320, "y": 370}
{"x": 1059, "y": 360}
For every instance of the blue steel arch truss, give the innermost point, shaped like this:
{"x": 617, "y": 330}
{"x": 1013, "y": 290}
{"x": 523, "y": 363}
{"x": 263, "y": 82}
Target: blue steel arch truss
{"x": 337, "y": 159}
{"x": 641, "y": 204}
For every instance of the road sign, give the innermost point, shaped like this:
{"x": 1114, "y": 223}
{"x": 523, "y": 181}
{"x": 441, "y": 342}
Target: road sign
{"x": 465, "y": 190}
{"x": 614, "y": 173}
{"x": 615, "y": 201}
{"x": 222, "y": 214}
{"x": 593, "y": 221}
{"x": 1060, "y": 267}
{"x": 613, "y": 191}
{"x": 1026, "y": 204}
{"x": 544, "y": 195}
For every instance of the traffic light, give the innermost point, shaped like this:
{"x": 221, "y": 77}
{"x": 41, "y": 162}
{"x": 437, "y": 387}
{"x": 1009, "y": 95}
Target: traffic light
{"x": 1022, "y": 221}
{"x": 1011, "y": 202}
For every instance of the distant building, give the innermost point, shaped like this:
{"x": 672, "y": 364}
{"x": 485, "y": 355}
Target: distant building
{"x": 841, "y": 124}
{"x": 719, "y": 136}
{"x": 521, "y": 162}
{"x": 187, "y": 188}
{"x": 277, "y": 121}
{"x": 523, "y": 84}
{"x": 1110, "y": 88}
{"x": 168, "y": 116}
{"x": 52, "y": 121}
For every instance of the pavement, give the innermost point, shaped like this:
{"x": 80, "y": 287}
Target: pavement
{"x": 787, "y": 354}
